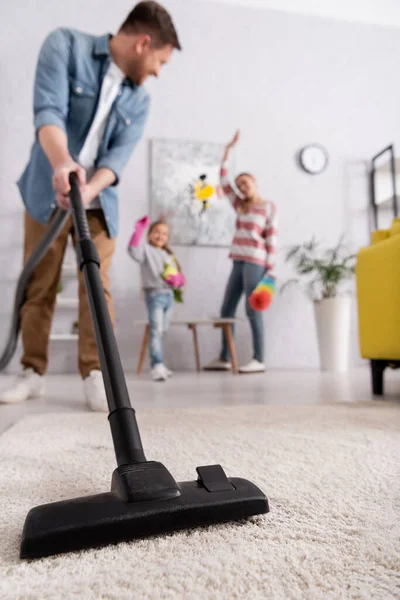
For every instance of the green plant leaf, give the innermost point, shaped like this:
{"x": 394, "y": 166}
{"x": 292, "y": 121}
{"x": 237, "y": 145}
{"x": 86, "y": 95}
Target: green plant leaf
{"x": 291, "y": 253}
{"x": 328, "y": 268}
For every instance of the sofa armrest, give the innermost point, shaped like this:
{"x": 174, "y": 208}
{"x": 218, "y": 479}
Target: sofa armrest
{"x": 378, "y": 297}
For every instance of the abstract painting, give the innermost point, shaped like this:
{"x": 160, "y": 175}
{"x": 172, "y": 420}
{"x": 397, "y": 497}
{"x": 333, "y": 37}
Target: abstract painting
{"x": 186, "y": 192}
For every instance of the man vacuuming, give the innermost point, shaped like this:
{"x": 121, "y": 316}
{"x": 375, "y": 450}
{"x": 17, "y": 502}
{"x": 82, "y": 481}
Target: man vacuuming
{"x": 90, "y": 108}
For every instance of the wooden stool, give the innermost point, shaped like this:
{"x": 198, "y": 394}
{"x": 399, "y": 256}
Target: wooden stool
{"x": 192, "y": 324}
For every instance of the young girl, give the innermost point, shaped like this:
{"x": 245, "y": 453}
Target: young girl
{"x": 253, "y": 254}
{"x": 162, "y": 282}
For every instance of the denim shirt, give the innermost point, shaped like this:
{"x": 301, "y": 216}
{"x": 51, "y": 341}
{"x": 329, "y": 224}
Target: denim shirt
{"x": 69, "y": 75}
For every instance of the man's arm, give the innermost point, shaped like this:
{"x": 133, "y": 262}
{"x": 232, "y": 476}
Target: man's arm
{"x": 122, "y": 146}
{"x": 55, "y": 145}
{"x": 51, "y": 99}
{"x": 110, "y": 166}
{"x": 100, "y": 180}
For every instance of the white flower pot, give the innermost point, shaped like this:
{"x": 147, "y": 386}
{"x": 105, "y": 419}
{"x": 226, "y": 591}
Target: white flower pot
{"x": 333, "y": 318}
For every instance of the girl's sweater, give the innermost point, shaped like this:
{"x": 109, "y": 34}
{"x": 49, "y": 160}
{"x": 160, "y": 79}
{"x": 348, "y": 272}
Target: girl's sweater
{"x": 152, "y": 261}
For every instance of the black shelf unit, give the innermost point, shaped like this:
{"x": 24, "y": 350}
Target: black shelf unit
{"x": 374, "y": 206}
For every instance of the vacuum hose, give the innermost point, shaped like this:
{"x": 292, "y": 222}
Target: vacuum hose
{"x": 57, "y": 223}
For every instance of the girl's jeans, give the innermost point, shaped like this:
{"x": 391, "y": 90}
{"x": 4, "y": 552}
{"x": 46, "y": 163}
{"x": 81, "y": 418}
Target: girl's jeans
{"x": 244, "y": 279}
{"x": 159, "y": 307}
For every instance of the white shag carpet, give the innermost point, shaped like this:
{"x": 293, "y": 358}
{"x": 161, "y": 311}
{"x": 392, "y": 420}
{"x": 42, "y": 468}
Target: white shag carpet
{"x": 331, "y": 473}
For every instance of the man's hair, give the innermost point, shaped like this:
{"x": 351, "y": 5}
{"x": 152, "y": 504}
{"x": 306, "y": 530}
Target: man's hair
{"x": 152, "y": 18}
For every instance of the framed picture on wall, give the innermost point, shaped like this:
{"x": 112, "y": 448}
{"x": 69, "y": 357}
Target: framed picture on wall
{"x": 185, "y": 191}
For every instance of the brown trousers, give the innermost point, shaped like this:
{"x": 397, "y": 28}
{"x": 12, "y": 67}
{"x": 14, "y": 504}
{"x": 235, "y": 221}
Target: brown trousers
{"x": 37, "y": 312}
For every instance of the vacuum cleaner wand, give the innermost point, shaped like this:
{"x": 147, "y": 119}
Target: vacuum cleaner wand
{"x": 124, "y": 429}
{"x": 144, "y": 499}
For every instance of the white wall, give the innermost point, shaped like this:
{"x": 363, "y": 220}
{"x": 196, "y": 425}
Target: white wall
{"x": 382, "y": 12}
{"x": 286, "y": 80}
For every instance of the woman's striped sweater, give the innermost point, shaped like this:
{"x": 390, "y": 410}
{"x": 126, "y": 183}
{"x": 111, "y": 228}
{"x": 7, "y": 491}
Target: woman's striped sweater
{"x": 255, "y": 238}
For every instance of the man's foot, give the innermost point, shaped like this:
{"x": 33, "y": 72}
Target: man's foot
{"x": 27, "y": 386}
{"x": 254, "y": 366}
{"x": 158, "y": 373}
{"x": 218, "y": 365}
{"x": 95, "y": 393}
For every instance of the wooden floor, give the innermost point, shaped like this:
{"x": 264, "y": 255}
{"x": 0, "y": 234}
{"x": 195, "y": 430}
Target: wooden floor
{"x": 64, "y": 393}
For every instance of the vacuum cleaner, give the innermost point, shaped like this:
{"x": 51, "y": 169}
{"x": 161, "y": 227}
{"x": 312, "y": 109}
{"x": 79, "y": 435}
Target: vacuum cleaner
{"x": 144, "y": 500}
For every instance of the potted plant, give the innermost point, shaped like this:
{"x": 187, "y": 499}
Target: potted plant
{"x": 323, "y": 274}
{"x": 75, "y": 328}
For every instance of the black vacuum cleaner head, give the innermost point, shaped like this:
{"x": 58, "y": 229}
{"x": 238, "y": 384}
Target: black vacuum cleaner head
{"x": 145, "y": 500}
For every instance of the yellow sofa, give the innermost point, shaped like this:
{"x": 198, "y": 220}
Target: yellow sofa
{"x": 378, "y": 299}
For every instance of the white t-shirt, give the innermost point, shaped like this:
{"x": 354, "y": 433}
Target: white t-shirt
{"x": 111, "y": 84}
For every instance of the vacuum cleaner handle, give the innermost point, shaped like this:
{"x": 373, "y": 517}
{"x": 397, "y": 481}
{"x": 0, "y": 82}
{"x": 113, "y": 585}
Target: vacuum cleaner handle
{"x": 78, "y": 211}
{"x": 122, "y": 418}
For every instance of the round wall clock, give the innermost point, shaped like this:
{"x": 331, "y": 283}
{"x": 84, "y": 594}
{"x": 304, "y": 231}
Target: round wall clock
{"x": 313, "y": 159}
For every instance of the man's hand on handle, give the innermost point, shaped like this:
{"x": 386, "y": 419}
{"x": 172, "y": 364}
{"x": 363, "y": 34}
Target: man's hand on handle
{"x": 54, "y": 143}
{"x": 62, "y": 187}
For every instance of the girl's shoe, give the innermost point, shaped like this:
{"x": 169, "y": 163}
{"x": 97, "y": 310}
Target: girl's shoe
{"x": 254, "y": 366}
{"x": 168, "y": 372}
{"x": 158, "y": 373}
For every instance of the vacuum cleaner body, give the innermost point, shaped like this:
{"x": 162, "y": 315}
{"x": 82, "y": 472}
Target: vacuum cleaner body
{"x": 144, "y": 499}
